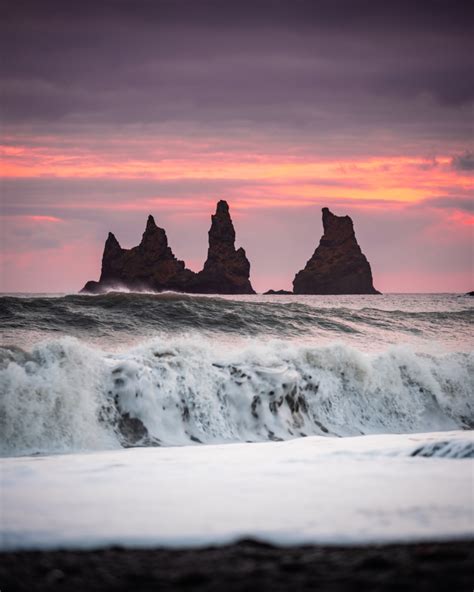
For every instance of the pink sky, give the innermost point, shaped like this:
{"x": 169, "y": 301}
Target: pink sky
{"x": 416, "y": 239}
{"x": 113, "y": 111}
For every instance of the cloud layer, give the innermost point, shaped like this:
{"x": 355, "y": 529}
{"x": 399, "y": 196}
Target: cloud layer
{"x": 112, "y": 110}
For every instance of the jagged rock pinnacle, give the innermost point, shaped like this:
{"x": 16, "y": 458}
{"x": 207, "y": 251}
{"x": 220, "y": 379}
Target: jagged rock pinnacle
{"x": 338, "y": 265}
{"x": 152, "y": 264}
{"x": 222, "y": 207}
{"x": 226, "y": 270}
{"x": 150, "y": 223}
{"x": 221, "y": 233}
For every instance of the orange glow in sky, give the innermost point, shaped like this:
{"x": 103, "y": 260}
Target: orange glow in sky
{"x": 267, "y": 181}
{"x": 287, "y": 185}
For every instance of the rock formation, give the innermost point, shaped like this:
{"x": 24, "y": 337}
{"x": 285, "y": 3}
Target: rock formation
{"x": 338, "y": 265}
{"x": 226, "y": 270}
{"x": 277, "y": 293}
{"x": 152, "y": 265}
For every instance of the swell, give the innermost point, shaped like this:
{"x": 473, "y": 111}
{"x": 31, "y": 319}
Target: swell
{"x": 167, "y": 312}
{"x": 146, "y": 314}
{"x": 65, "y": 395}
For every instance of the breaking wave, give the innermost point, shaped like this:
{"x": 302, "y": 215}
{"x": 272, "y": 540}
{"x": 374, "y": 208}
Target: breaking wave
{"x": 65, "y": 395}
{"x": 446, "y": 449}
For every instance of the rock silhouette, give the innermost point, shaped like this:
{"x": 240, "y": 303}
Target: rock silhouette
{"x": 152, "y": 265}
{"x": 149, "y": 266}
{"x": 338, "y": 265}
{"x": 226, "y": 270}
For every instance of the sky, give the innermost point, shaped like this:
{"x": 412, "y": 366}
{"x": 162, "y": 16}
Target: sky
{"x": 115, "y": 109}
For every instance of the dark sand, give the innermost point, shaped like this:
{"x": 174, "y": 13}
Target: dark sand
{"x": 247, "y": 565}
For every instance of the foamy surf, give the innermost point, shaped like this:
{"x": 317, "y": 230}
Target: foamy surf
{"x": 67, "y": 396}
{"x": 341, "y": 491}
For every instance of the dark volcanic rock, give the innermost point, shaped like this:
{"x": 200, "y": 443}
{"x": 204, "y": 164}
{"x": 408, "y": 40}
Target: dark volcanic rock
{"x": 150, "y": 265}
{"x": 226, "y": 270}
{"x": 470, "y": 293}
{"x": 338, "y": 265}
{"x": 276, "y": 292}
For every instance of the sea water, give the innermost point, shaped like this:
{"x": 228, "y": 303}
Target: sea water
{"x": 290, "y": 418}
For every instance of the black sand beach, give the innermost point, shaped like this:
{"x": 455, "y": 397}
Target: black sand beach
{"x": 246, "y": 565}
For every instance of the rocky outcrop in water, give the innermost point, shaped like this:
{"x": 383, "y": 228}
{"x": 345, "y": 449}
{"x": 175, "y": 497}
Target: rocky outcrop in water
{"x": 227, "y": 269}
{"x": 152, "y": 265}
{"x": 338, "y": 265}
{"x": 277, "y": 293}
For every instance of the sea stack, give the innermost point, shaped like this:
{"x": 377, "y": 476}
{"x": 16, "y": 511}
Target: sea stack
{"x": 152, "y": 265}
{"x": 338, "y": 265}
{"x": 226, "y": 270}
{"x": 149, "y": 266}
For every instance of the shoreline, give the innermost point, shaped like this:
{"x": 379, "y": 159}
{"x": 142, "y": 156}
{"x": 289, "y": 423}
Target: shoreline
{"x": 245, "y": 565}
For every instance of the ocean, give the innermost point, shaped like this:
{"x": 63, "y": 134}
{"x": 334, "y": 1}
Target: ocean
{"x": 173, "y": 419}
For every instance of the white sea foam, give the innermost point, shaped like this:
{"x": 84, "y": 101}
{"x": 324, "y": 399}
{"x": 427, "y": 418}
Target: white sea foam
{"x": 67, "y": 396}
{"x": 50, "y": 400}
{"x": 367, "y": 489}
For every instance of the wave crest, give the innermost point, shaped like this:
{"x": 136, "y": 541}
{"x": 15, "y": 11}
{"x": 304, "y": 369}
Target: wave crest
{"x": 144, "y": 314}
{"x": 65, "y": 395}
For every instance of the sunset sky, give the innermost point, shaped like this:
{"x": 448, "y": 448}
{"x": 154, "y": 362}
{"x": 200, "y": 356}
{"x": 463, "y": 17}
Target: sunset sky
{"x": 113, "y": 110}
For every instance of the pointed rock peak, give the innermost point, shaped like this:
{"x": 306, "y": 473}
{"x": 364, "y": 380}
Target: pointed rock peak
{"x": 154, "y": 241}
{"x": 150, "y": 223}
{"x": 222, "y": 207}
{"x": 337, "y": 227}
{"x": 111, "y": 241}
{"x": 153, "y": 233}
{"x": 112, "y": 252}
{"x": 327, "y": 216}
{"x": 226, "y": 270}
{"x": 222, "y": 229}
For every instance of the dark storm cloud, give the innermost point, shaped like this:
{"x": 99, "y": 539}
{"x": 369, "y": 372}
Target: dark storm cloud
{"x": 301, "y": 64}
{"x": 336, "y": 13}
{"x": 463, "y": 162}
{"x": 447, "y": 202}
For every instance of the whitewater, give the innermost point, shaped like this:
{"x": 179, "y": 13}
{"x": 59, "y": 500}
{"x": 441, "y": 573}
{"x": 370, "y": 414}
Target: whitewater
{"x": 173, "y": 419}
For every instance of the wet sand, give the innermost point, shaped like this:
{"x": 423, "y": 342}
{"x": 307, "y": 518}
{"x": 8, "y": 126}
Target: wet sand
{"x": 246, "y": 565}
